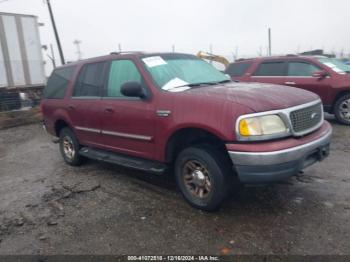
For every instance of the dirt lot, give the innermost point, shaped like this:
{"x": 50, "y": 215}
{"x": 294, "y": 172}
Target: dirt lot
{"x": 47, "y": 207}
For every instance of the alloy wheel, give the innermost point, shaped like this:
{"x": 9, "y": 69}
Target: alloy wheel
{"x": 344, "y": 109}
{"x": 196, "y": 179}
{"x": 68, "y": 147}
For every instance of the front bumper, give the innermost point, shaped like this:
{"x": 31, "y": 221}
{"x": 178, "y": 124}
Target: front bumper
{"x": 259, "y": 167}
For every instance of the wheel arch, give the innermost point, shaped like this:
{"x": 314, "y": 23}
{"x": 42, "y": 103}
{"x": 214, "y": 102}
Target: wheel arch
{"x": 60, "y": 124}
{"x": 336, "y": 98}
{"x": 187, "y": 136}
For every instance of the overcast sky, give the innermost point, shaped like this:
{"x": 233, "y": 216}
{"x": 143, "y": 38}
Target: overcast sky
{"x": 192, "y": 25}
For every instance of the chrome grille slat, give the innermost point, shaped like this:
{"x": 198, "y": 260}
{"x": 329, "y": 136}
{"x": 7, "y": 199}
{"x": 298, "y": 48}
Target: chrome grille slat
{"x": 306, "y": 118}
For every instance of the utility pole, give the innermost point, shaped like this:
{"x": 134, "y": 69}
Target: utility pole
{"x": 235, "y": 54}
{"x": 56, "y": 33}
{"x": 77, "y": 43}
{"x": 211, "y": 52}
{"x": 120, "y": 47}
{"x": 52, "y": 56}
{"x": 269, "y": 32}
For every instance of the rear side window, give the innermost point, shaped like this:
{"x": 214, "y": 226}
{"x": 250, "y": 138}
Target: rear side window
{"x": 270, "y": 69}
{"x": 301, "y": 69}
{"x": 58, "y": 81}
{"x": 237, "y": 69}
{"x": 90, "y": 80}
{"x": 121, "y": 71}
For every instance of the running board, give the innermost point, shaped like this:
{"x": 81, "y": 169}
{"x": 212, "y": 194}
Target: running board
{"x": 123, "y": 160}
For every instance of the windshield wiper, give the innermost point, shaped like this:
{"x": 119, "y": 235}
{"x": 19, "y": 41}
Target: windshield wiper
{"x": 195, "y": 85}
{"x": 201, "y": 84}
{"x": 210, "y": 83}
{"x": 224, "y": 81}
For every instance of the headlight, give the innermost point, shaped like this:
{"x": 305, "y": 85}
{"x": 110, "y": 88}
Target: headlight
{"x": 261, "y": 126}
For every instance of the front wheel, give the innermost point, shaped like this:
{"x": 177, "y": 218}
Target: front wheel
{"x": 203, "y": 176}
{"x": 342, "y": 109}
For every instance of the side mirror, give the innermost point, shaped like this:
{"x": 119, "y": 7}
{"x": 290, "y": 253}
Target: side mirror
{"x": 132, "y": 89}
{"x": 320, "y": 74}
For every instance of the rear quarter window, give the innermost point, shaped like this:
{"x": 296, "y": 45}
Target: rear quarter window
{"x": 57, "y": 83}
{"x": 237, "y": 69}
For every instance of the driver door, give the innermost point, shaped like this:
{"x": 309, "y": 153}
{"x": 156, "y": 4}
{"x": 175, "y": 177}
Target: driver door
{"x": 128, "y": 123}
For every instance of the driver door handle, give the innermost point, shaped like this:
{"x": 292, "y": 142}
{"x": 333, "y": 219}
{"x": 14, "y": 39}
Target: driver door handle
{"x": 109, "y": 110}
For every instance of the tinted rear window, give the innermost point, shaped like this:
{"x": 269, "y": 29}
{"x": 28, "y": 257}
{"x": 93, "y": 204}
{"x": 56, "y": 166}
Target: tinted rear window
{"x": 237, "y": 69}
{"x": 90, "y": 80}
{"x": 270, "y": 69}
{"x": 301, "y": 69}
{"x": 58, "y": 82}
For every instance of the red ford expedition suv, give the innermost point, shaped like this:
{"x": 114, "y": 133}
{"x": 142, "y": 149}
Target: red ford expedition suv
{"x": 168, "y": 110}
{"x": 327, "y": 77}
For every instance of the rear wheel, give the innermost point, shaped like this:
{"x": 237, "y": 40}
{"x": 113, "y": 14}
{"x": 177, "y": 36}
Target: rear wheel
{"x": 69, "y": 147}
{"x": 203, "y": 175}
{"x": 342, "y": 109}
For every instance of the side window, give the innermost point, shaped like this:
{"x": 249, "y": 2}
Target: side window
{"x": 121, "y": 71}
{"x": 237, "y": 69}
{"x": 57, "y": 84}
{"x": 270, "y": 69}
{"x": 301, "y": 69}
{"x": 90, "y": 80}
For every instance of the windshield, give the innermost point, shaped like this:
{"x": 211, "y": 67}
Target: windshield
{"x": 179, "y": 72}
{"x": 336, "y": 65}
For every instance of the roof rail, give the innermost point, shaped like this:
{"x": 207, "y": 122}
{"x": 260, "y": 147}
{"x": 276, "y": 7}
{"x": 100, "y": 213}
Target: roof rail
{"x": 125, "y": 52}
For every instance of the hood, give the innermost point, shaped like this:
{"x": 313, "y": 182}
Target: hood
{"x": 258, "y": 97}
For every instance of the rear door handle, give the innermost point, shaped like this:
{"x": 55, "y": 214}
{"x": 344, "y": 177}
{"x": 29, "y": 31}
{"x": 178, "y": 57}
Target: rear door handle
{"x": 70, "y": 107}
{"x": 109, "y": 110}
{"x": 290, "y": 83}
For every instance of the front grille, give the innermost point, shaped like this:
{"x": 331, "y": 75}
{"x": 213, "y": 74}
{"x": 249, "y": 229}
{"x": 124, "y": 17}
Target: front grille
{"x": 306, "y": 118}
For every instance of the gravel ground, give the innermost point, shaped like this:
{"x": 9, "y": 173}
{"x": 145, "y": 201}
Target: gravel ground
{"x": 47, "y": 207}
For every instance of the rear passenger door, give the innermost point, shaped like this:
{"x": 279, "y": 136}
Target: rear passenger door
{"x": 128, "y": 123}
{"x": 84, "y": 107}
{"x": 273, "y": 72}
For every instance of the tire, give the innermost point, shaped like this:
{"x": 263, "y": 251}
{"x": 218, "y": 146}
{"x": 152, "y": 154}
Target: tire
{"x": 69, "y": 147}
{"x": 342, "y": 109}
{"x": 194, "y": 166}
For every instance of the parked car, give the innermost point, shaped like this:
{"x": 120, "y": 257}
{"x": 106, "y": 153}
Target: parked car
{"x": 169, "y": 111}
{"x": 327, "y": 77}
